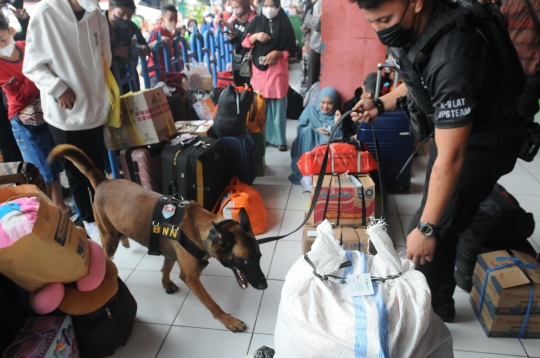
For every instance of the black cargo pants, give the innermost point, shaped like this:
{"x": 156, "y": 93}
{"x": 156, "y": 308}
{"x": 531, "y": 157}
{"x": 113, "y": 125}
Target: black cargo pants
{"x": 489, "y": 156}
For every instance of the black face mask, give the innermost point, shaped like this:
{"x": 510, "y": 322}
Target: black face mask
{"x": 396, "y": 35}
{"x": 119, "y": 23}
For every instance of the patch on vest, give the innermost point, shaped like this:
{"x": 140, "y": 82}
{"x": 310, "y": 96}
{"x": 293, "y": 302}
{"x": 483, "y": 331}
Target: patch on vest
{"x": 454, "y": 109}
{"x": 168, "y": 211}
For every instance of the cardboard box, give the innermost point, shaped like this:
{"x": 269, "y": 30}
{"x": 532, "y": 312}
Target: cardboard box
{"x": 507, "y": 326}
{"x": 348, "y": 199}
{"x": 201, "y": 128}
{"x": 352, "y": 238}
{"x": 508, "y": 289}
{"x": 146, "y": 119}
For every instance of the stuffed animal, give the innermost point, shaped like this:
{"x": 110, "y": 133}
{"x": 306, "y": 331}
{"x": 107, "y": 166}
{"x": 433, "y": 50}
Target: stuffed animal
{"x": 94, "y": 280}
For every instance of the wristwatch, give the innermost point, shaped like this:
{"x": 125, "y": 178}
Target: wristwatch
{"x": 427, "y": 229}
{"x": 379, "y": 105}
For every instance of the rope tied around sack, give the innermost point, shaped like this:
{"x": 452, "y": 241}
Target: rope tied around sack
{"x": 342, "y": 280}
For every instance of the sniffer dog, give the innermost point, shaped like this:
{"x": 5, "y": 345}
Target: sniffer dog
{"x": 123, "y": 209}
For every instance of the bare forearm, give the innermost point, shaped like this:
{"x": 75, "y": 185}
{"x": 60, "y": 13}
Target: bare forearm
{"x": 442, "y": 183}
{"x": 451, "y": 148}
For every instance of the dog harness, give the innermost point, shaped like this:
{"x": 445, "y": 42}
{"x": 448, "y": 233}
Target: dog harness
{"x": 166, "y": 218}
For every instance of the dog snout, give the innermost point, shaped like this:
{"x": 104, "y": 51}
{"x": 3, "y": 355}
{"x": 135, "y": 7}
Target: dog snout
{"x": 262, "y": 285}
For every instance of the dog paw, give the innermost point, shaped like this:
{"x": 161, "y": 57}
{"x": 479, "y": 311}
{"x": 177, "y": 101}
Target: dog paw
{"x": 170, "y": 287}
{"x": 125, "y": 243}
{"x": 234, "y": 324}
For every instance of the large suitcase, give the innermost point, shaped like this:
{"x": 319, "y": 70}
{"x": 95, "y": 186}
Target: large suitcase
{"x": 242, "y": 157}
{"x": 260, "y": 143}
{"x": 396, "y": 146}
{"x": 395, "y": 142}
{"x": 195, "y": 171}
{"x": 143, "y": 166}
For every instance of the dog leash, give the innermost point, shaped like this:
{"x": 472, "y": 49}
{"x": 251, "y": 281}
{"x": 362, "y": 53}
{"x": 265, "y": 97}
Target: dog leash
{"x": 320, "y": 180}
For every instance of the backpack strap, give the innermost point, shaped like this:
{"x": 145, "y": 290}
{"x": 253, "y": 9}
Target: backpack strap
{"x": 434, "y": 30}
{"x": 534, "y": 17}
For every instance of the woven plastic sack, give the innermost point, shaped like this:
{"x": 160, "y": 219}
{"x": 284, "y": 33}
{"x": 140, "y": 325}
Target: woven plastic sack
{"x": 318, "y": 318}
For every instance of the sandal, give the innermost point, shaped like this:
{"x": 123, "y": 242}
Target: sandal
{"x": 282, "y": 148}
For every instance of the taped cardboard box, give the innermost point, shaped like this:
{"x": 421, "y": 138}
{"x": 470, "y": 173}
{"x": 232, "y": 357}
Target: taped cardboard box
{"x": 352, "y": 238}
{"x": 344, "y": 193}
{"x": 508, "y": 289}
{"x": 507, "y": 326}
{"x": 54, "y": 238}
{"x": 146, "y": 119}
{"x": 202, "y": 128}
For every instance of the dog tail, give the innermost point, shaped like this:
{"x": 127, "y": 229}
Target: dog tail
{"x": 80, "y": 160}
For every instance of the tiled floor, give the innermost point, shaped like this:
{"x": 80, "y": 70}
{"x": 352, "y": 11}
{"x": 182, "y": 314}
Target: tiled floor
{"x": 178, "y": 326}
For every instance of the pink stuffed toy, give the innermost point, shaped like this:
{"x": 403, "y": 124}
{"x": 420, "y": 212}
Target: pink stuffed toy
{"x": 18, "y": 218}
{"x": 49, "y": 297}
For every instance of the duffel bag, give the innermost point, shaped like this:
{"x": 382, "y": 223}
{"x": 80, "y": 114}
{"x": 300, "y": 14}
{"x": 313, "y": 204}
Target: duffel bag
{"x": 224, "y": 79}
{"x": 240, "y": 195}
{"x": 343, "y": 158}
{"x": 99, "y": 333}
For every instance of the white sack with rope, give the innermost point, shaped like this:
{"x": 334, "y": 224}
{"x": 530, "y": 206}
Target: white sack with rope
{"x": 319, "y": 318}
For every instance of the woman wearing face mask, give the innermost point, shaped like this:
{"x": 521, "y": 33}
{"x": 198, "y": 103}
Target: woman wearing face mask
{"x": 271, "y": 38}
{"x": 242, "y": 15}
{"x": 121, "y": 31}
{"x": 314, "y": 126}
{"x": 226, "y": 13}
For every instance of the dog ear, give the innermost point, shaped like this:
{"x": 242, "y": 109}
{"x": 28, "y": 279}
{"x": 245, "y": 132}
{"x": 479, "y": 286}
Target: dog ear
{"x": 222, "y": 237}
{"x": 244, "y": 220}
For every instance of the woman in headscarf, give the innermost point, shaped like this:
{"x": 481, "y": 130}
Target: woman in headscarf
{"x": 272, "y": 40}
{"x": 314, "y": 126}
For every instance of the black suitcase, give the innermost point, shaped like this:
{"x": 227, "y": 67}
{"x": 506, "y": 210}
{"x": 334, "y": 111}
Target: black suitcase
{"x": 195, "y": 171}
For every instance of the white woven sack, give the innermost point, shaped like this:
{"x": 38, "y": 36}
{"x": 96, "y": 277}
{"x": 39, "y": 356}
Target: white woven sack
{"x": 319, "y": 318}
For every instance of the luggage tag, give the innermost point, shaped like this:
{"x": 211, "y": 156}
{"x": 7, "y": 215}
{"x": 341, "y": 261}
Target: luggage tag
{"x": 360, "y": 285}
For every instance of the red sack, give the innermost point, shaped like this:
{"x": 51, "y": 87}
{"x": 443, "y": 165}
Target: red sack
{"x": 342, "y": 158}
{"x": 224, "y": 79}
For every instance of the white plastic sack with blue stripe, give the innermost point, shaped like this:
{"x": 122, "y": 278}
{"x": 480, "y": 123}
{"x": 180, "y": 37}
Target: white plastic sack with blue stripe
{"x": 318, "y": 318}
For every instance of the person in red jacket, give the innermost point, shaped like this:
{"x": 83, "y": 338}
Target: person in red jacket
{"x": 24, "y": 111}
{"x": 167, "y": 29}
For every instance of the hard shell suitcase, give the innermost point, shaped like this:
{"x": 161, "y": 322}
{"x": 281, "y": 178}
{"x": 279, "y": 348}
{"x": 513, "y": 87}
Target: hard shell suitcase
{"x": 395, "y": 142}
{"x": 242, "y": 157}
{"x": 396, "y": 146}
{"x": 196, "y": 170}
{"x": 143, "y": 166}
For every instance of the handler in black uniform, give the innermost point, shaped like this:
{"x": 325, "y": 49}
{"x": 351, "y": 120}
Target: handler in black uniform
{"x": 477, "y": 132}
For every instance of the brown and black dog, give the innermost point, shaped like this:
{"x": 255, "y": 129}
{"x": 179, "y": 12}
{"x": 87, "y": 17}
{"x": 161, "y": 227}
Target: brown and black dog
{"x": 123, "y": 209}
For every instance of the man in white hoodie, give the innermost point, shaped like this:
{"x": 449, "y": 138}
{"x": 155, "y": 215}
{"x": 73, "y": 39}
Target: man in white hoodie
{"x": 67, "y": 47}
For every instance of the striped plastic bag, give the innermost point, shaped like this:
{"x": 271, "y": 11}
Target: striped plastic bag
{"x": 318, "y": 318}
